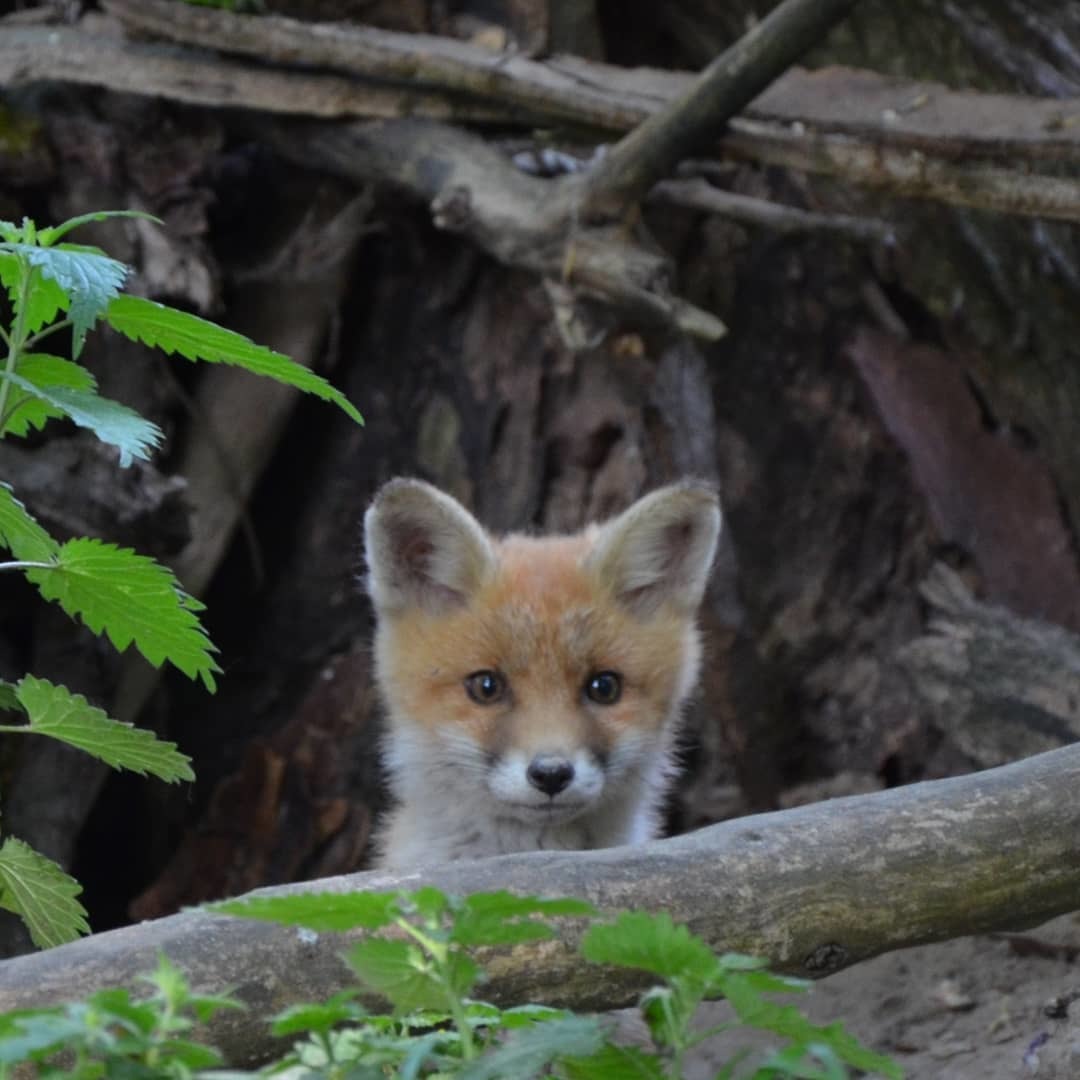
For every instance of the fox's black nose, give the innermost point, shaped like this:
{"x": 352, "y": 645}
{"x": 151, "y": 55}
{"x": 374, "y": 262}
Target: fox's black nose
{"x": 550, "y": 774}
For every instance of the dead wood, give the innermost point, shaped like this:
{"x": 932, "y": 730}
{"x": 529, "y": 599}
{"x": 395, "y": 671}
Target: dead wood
{"x": 901, "y": 113}
{"x": 474, "y": 190}
{"x": 910, "y": 173}
{"x": 814, "y": 890}
{"x": 898, "y": 136}
{"x": 696, "y": 193}
{"x": 1001, "y": 687}
{"x": 653, "y": 149}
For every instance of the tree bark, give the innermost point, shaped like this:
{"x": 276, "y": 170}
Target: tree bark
{"x": 812, "y": 890}
{"x": 1003, "y": 687}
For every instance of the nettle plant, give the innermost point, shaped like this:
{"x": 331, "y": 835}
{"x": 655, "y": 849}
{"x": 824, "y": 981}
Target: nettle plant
{"x": 419, "y": 955}
{"x": 57, "y": 286}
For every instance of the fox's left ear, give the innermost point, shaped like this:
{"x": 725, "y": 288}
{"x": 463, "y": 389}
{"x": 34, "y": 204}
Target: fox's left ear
{"x": 660, "y": 550}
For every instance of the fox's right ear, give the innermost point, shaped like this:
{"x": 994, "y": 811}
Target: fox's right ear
{"x": 424, "y": 549}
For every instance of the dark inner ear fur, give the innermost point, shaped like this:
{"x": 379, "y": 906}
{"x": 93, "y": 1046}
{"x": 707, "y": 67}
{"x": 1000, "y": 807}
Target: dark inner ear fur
{"x": 423, "y": 549}
{"x": 412, "y": 549}
{"x": 659, "y": 551}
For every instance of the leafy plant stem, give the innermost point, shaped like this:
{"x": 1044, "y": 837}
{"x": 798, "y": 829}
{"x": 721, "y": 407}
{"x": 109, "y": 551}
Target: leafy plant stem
{"x": 15, "y": 341}
{"x": 438, "y": 953}
{"x": 703, "y": 1036}
{"x": 17, "y": 565}
{"x": 41, "y": 335}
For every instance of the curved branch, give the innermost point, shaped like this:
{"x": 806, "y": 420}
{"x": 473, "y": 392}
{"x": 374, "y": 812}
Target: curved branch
{"x": 813, "y": 890}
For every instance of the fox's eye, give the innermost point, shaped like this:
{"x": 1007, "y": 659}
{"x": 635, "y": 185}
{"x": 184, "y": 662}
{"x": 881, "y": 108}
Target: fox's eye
{"x": 605, "y": 687}
{"x": 485, "y": 687}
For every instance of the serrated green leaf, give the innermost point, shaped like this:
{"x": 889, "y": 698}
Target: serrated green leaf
{"x": 321, "y": 911}
{"x": 116, "y": 1001}
{"x": 652, "y": 943}
{"x": 26, "y": 411}
{"x": 48, "y": 237}
{"x": 57, "y": 712}
{"x": 41, "y": 894}
{"x": 785, "y": 1020}
{"x": 613, "y": 1062}
{"x": 397, "y": 970}
{"x": 9, "y": 701}
{"x": 44, "y": 298}
{"x": 529, "y": 1050}
{"x": 189, "y": 336}
{"x": 498, "y": 918}
{"x": 110, "y": 421}
{"x": 89, "y": 280}
{"x": 318, "y": 1018}
{"x": 132, "y": 599}
{"x": 44, "y": 301}
{"x": 519, "y": 1015}
{"x": 27, "y": 1034}
{"x": 21, "y": 534}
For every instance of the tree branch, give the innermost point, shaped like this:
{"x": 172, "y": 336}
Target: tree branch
{"x": 695, "y": 193}
{"x": 907, "y": 172}
{"x": 902, "y": 137}
{"x": 653, "y": 149}
{"x": 475, "y": 190}
{"x": 813, "y": 890}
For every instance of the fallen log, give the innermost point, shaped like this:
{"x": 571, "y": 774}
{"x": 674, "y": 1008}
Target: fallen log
{"x": 813, "y": 890}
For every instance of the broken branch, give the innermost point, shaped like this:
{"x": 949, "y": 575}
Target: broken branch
{"x": 653, "y": 149}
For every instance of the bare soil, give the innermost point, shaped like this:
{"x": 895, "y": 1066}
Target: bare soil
{"x": 1001, "y": 1007}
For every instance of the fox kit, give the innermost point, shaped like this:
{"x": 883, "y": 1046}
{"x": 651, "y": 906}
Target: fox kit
{"x": 532, "y": 685}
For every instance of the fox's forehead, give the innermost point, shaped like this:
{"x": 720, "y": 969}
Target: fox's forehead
{"x": 544, "y": 574}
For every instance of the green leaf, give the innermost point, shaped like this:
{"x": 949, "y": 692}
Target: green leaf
{"x": 28, "y": 1034}
{"x": 420, "y": 1049}
{"x": 60, "y": 714}
{"x": 132, "y": 599}
{"x": 9, "y": 701}
{"x": 518, "y": 1016}
{"x": 785, "y": 1020}
{"x": 110, "y": 421}
{"x": 529, "y": 1050}
{"x": 798, "y": 1062}
{"x": 21, "y": 534}
{"x": 321, "y": 911}
{"x": 45, "y": 299}
{"x": 652, "y": 943}
{"x": 26, "y": 411}
{"x": 48, "y": 237}
{"x": 318, "y": 1018}
{"x": 398, "y": 970}
{"x": 613, "y": 1062}
{"x": 497, "y": 918}
{"x": 89, "y": 279}
{"x": 197, "y": 339}
{"x": 41, "y": 894}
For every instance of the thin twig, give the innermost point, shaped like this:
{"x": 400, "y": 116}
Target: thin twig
{"x": 698, "y": 194}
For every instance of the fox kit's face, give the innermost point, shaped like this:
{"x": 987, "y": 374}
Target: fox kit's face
{"x": 543, "y": 674}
